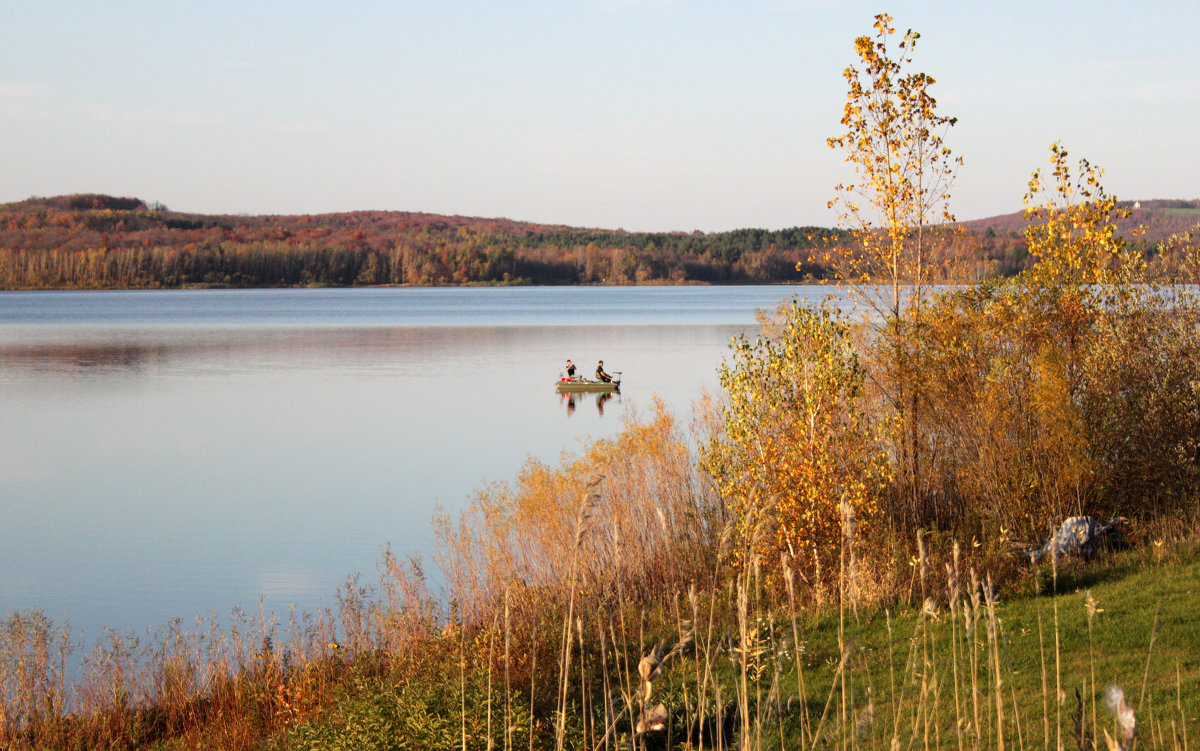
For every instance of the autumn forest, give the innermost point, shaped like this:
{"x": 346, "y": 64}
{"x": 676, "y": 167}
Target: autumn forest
{"x": 90, "y": 241}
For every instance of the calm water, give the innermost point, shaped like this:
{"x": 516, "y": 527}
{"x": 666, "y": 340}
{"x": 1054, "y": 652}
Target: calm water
{"x": 168, "y": 454}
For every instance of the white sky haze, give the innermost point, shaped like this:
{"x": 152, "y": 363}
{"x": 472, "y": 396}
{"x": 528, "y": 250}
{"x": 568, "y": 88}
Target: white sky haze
{"x": 641, "y": 114}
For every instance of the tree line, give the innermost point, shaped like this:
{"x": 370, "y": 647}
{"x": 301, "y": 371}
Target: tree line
{"x": 91, "y": 241}
{"x": 94, "y": 241}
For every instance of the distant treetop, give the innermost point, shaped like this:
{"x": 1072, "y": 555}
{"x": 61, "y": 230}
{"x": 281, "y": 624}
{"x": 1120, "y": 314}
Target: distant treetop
{"x": 81, "y": 202}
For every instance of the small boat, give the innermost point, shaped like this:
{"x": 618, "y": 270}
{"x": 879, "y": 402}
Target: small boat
{"x": 581, "y": 385}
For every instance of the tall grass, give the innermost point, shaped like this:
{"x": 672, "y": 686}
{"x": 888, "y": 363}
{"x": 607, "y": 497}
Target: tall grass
{"x": 647, "y": 534}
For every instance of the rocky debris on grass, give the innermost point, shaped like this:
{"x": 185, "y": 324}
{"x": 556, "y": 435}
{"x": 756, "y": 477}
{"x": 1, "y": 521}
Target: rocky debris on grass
{"x": 1082, "y": 537}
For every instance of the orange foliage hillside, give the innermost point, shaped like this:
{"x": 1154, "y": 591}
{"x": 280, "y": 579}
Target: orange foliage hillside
{"x": 98, "y": 241}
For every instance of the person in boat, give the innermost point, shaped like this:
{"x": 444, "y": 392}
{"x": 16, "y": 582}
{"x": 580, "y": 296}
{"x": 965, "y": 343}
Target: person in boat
{"x": 601, "y": 375}
{"x": 570, "y": 370}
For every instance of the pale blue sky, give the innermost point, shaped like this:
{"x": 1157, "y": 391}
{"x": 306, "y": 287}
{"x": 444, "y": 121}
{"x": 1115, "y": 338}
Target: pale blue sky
{"x": 641, "y": 114}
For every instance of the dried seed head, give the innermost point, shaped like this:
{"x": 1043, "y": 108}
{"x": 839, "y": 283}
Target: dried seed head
{"x": 865, "y": 718}
{"x": 1115, "y": 700}
{"x": 930, "y": 607}
{"x": 922, "y": 555}
{"x": 1092, "y": 606}
{"x": 952, "y": 590}
{"x": 726, "y": 536}
{"x": 848, "y": 523}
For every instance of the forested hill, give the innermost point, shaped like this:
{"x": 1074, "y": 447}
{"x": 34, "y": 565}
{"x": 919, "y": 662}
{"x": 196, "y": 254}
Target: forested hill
{"x": 1158, "y": 218}
{"x": 97, "y": 241}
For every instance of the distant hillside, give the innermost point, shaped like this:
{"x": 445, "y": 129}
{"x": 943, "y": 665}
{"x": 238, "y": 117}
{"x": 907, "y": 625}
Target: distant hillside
{"x": 99, "y": 241}
{"x": 1157, "y": 218}
{"x": 1161, "y": 218}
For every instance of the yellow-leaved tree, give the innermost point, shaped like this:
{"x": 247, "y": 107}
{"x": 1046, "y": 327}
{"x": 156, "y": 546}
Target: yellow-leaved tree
{"x": 796, "y": 443}
{"x": 895, "y": 208}
{"x": 1071, "y": 388}
{"x": 1130, "y": 347}
{"x": 894, "y": 140}
{"x": 1072, "y": 234}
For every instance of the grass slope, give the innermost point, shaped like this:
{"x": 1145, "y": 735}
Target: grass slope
{"x": 927, "y": 677}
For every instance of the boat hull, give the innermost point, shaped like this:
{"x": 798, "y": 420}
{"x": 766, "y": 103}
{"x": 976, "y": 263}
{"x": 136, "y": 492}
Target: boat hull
{"x": 576, "y": 387}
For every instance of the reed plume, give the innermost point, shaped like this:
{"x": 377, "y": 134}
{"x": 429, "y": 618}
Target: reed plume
{"x": 1126, "y": 722}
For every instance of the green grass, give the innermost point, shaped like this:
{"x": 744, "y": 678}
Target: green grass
{"x": 1138, "y": 600}
{"x": 739, "y": 667}
{"x": 906, "y": 664}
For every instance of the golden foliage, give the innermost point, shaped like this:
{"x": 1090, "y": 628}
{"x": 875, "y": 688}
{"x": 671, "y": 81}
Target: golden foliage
{"x": 796, "y": 444}
{"x": 1073, "y": 234}
{"x": 1073, "y": 388}
{"x": 646, "y": 529}
{"x": 896, "y": 210}
{"x": 894, "y": 142}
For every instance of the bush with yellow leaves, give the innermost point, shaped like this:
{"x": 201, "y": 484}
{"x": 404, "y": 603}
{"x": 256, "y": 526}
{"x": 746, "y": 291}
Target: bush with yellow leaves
{"x": 796, "y": 443}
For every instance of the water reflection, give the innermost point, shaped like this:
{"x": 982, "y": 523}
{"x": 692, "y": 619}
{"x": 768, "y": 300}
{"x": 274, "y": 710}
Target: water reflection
{"x": 83, "y": 357}
{"x": 118, "y": 353}
{"x": 572, "y": 400}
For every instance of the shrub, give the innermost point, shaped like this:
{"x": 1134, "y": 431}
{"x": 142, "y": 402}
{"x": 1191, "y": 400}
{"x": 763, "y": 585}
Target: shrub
{"x": 796, "y": 443}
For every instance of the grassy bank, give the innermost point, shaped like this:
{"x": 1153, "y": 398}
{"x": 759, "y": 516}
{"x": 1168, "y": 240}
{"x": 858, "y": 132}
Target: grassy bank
{"x": 968, "y": 668}
{"x": 959, "y": 664}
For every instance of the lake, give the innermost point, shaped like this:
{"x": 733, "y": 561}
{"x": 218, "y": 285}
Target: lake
{"x": 173, "y": 453}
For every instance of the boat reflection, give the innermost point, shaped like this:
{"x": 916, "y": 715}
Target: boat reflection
{"x": 573, "y": 399}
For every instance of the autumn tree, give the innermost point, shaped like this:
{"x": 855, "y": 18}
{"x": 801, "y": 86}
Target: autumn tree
{"x": 1080, "y": 261}
{"x": 796, "y": 443}
{"x": 1072, "y": 231}
{"x": 1071, "y": 388}
{"x": 894, "y": 141}
{"x": 1130, "y": 347}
